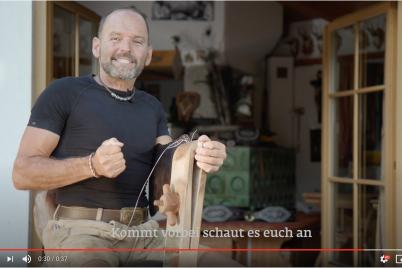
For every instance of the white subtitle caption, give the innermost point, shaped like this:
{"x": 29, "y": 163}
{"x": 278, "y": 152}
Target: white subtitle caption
{"x": 120, "y": 233}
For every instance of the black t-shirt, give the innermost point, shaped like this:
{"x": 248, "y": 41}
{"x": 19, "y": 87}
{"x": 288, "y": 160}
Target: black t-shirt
{"x": 84, "y": 115}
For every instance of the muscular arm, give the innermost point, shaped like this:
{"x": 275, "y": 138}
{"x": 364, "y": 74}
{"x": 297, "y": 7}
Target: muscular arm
{"x": 35, "y": 170}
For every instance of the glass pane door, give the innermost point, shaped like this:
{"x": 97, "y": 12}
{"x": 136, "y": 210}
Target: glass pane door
{"x": 73, "y": 28}
{"x": 357, "y": 163}
{"x": 63, "y": 43}
{"x": 87, "y": 63}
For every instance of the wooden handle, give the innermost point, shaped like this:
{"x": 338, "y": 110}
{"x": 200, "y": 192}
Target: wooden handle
{"x": 169, "y": 204}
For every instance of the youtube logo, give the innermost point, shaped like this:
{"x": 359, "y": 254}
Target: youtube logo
{"x": 10, "y": 259}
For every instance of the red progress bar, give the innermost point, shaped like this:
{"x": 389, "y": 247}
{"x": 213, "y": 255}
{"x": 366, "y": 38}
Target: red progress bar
{"x": 190, "y": 249}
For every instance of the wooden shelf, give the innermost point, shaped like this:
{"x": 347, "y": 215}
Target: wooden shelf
{"x": 165, "y": 65}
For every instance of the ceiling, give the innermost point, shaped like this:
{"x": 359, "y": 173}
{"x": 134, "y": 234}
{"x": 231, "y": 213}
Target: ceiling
{"x": 329, "y": 10}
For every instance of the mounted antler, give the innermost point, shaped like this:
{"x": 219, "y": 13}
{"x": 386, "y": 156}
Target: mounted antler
{"x": 307, "y": 42}
{"x": 317, "y": 33}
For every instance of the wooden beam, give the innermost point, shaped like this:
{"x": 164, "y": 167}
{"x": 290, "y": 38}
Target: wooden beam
{"x": 323, "y": 9}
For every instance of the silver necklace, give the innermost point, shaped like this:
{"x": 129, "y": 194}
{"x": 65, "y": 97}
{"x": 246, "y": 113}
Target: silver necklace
{"x": 114, "y": 95}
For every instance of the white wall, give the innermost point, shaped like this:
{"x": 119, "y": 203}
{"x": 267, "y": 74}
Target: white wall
{"x": 285, "y": 96}
{"x": 162, "y": 31}
{"x": 308, "y": 174}
{"x": 15, "y": 93}
{"x": 280, "y": 107}
{"x": 252, "y": 29}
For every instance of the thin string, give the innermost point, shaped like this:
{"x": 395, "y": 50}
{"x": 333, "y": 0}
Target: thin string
{"x": 183, "y": 139}
{"x": 170, "y": 146}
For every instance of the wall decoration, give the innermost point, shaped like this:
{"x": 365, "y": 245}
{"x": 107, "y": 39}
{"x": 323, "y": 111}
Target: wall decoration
{"x": 193, "y": 57}
{"x": 305, "y": 38}
{"x": 307, "y": 41}
{"x": 315, "y": 145}
{"x": 317, "y": 84}
{"x": 304, "y": 41}
{"x": 183, "y": 10}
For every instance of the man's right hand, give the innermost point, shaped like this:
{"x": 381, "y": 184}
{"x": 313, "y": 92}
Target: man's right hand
{"x": 108, "y": 160}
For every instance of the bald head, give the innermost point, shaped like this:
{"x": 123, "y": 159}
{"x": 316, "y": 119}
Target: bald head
{"x": 122, "y": 11}
{"x": 123, "y": 47}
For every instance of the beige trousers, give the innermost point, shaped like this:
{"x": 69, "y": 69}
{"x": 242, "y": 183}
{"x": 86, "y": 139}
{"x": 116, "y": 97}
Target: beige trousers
{"x": 87, "y": 234}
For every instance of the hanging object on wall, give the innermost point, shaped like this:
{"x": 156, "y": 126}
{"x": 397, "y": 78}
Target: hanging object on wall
{"x": 318, "y": 34}
{"x": 305, "y": 39}
{"x": 183, "y": 10}
{"x": 196, "y": 80}
{"x": 244, "y": 106}
{"x": 294, "y": 46}
{"x": 193, "y": 57}
{"x": 315, "y": 145}
{"x": 218, "y": 89}
{"x": 317, "y": 84}
{"x": 186, "y": 103}
{"x": 299, "y": 112}
{"x": 307, "y": 42}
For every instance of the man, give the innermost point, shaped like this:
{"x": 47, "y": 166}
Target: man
{"x": 91, "y": 139}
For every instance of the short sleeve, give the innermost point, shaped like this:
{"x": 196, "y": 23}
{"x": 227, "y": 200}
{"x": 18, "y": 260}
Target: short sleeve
{"x": 52, "y": 108}
{"x": 162, "y": 122}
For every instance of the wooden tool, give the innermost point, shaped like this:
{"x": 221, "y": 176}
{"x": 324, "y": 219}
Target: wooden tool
{"x": 188, "y": 181}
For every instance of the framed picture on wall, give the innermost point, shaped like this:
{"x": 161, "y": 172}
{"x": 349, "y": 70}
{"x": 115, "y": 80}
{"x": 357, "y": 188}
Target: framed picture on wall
{"x": 183, "y": 10}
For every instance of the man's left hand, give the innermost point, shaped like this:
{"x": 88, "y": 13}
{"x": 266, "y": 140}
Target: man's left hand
{"x": 210, "y": 154}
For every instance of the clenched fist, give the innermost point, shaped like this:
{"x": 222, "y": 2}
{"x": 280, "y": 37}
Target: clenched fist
{"x": 108, "y": 160}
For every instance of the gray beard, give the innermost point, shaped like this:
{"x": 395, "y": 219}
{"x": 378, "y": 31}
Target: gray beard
{"x": 127, "y": 74}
